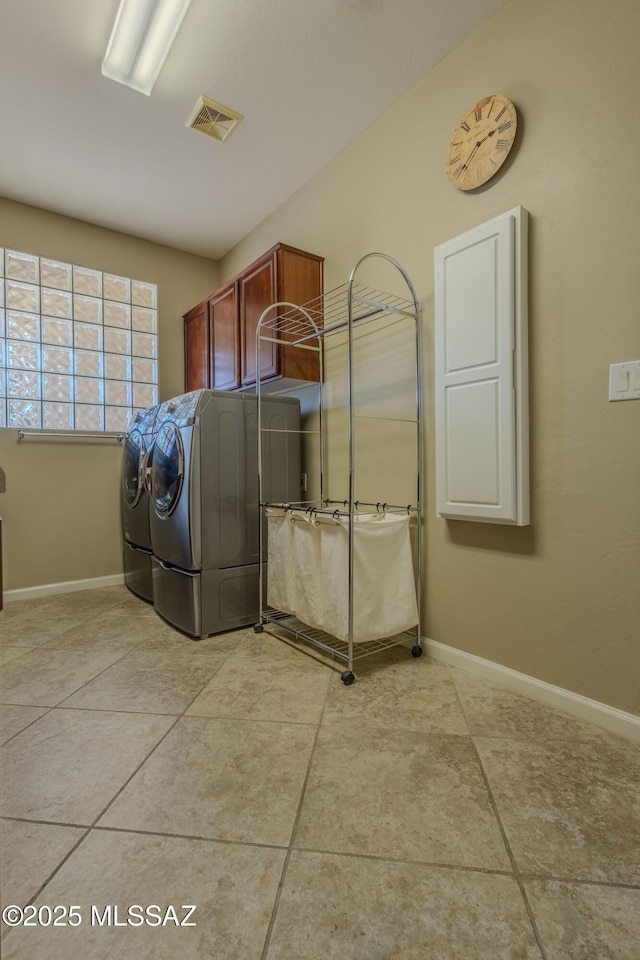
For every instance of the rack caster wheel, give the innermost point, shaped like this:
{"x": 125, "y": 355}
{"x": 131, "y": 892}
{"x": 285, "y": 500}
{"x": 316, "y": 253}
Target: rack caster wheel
{"x": 258, "y": 628}
{"x": 347, "y": 678}
{"x": 416, "y": 651}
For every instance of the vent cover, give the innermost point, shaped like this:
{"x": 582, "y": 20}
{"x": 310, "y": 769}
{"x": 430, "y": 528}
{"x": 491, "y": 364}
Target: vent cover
{"x": 213, "y": 119}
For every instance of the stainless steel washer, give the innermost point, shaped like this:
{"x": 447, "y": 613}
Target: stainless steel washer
{"x": 134, "y": 498}
{"x": 204, "y": 505}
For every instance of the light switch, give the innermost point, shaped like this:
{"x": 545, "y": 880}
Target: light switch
{"x": 624, "y": 380}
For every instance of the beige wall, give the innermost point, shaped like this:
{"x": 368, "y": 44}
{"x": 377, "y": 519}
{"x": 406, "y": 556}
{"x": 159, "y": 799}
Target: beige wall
{"x": 60, "y": 512}
{"x": 559, "y": 600}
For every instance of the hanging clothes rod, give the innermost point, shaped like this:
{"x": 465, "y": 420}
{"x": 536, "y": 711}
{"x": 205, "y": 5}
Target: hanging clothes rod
{"x": 290, "y": 508}
{"x": 379, "y": 505}
{"x": 119, "y": 437}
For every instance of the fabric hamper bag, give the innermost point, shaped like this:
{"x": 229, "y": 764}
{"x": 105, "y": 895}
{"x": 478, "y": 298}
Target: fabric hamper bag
{"x": 309, "y": 573}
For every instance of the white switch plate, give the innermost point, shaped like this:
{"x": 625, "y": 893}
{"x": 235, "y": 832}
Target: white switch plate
{"x": 624, "y": 380}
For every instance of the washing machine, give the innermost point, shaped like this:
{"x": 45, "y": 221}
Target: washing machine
{"x": 204, "y": 516}
{"x": 136, "y": 533}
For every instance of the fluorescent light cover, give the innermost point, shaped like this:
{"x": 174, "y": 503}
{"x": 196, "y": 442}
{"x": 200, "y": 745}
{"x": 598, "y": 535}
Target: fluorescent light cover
{"x": 142, "y": 34}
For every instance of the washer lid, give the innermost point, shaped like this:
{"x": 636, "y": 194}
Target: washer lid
{"x": 182, "y": 410}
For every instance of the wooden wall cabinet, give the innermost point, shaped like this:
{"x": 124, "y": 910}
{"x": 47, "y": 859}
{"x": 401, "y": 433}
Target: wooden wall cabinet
{"x": 224, "y": 339}
{"x": 196, "y": 347}
{"x": 220, "y": 332}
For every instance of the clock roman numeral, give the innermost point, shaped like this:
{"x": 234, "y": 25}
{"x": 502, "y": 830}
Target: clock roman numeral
{"x": 465, "y": 126}
{"x": 478, "y": 113}
{"x": 458, "y": 173}
{"x": 502, "y": 144}
{"x": 498, "y": 115}
{"x": 493, "y": 103}
{"x": 504, "y": 126}
{"x": 454, "y": 160}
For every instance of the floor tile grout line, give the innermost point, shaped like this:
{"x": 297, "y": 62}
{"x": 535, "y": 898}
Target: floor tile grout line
{"x": 137, "y": 713}
{"x": 201, "y": 691}
{"x": 31, "y": 722}
{"x": 137, "y": 769}
{"x": 501, "y": 827}
{"x": 129, "y": 713}
{"x": 136, "y": 831}
{"x": 606, "y": 738}
{"x": 46, "y": 823}
{"x": 103, "y": 811}
{"x": 148, "y": 756}
{"x": 61, "y": 703}
{"x": 87, "y": 830}
{"x": 580, "y": 882}
{"x": 321, "y": 724}
{"x": 188, "y": 836}
{"x": 18, "y": 646}
{"x": 254, "y": 720}
{"x": 82, "y": 685}
{"x": 403, "y": 861}
{"x": 430, "y": 864}
{"x": 516, "y": 871}
{"x": 520, "y": 737}
{"x": 59, "y": 866}
{"x": 81, "y": 621}
{"x": 287, "y": 858}
{"x": 147, "y": 645}
{"x": 110, "y": 608}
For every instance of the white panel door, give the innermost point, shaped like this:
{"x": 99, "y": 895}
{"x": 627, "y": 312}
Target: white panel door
{"x": 479, "y": 355}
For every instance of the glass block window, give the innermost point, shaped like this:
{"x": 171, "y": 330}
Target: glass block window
{"x": 78, "y": 347}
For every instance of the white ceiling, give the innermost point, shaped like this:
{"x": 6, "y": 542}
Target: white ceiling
{"x": 308, "y": 76}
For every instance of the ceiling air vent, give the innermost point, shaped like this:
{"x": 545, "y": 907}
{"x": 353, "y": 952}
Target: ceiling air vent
{"x": 213, "y": 119}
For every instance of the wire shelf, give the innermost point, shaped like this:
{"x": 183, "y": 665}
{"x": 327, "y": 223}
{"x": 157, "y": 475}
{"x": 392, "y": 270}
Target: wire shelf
{"x": 331, "y": 646}
{"x": 329, "y": 314}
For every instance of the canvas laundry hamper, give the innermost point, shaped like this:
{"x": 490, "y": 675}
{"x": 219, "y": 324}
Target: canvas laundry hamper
{"x": 309, "y": 572}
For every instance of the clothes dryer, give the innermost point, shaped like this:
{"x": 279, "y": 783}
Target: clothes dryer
{"x": 204, "y": 516}
{"x": 136, "y": 533}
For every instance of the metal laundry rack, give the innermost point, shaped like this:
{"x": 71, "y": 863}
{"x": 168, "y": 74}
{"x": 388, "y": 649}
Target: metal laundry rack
{"x": 339, "y": 313}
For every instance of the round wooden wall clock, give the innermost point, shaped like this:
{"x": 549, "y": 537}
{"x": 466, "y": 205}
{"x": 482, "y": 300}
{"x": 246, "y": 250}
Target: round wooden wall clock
{"x": 481, "y": 142}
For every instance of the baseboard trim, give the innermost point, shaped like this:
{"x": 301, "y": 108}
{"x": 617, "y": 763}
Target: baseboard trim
{"x": 67, "y": 586}
{"x": 612, "y": 719}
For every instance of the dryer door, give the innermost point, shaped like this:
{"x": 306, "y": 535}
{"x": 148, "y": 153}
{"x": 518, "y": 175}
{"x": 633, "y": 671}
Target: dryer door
{"x": 133, "y": 468}
{"x": 167, "y": 469}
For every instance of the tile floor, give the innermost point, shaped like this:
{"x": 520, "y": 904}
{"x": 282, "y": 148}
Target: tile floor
{"x": 420, "y": 814}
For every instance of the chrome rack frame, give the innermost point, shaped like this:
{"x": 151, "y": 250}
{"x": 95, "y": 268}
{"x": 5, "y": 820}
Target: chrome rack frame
{"x": 308, "y": 326}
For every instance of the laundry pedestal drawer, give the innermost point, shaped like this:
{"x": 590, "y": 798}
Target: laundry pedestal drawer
{"x": 204, "y": 602}
{"x": 137, "y": 571}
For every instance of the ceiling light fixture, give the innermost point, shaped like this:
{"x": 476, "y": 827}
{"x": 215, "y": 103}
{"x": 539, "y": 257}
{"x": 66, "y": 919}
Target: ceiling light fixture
{"x": 142, "y": 34}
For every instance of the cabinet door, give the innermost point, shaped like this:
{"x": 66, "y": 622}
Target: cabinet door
{"x": 481, "y": 373}
{"x": 196, "y": 348}
{"x": 299, "y": 281}
{"x": 257, "y": 291}
{"x": 224, "y": 338}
